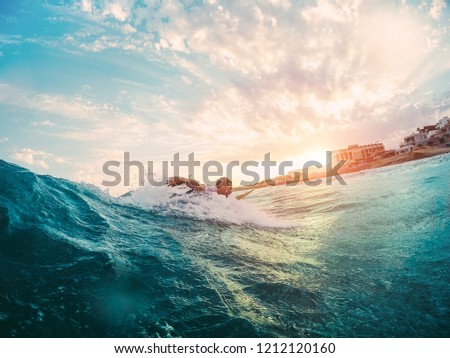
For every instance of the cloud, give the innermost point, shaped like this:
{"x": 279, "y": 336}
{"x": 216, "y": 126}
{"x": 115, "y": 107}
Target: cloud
{"x": 272, "y": 74}
{"x": 119, "y": 9}
{"x": 287, "y": 85}
{"x": 128, "y": 29}
{"x": 436, "y": 8}
{"x": 60, "y": 160}
{"x": 86, "y": 5}
{"x": 279, "y": 71}
{"x": 10, "y": 39}
{"x": 88, "y": 121}
{"x": 45, "y": 123}
{"x": 37, "y": 157}
{"x": 4, "y": 139}
{"x": 33, "y": 157}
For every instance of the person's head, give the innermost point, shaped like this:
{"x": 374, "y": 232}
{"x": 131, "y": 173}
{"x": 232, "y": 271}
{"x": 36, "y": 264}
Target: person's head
{"x": 224, "y": 186}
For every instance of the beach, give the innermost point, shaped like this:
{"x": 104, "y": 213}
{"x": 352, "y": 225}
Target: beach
{"x": 419, "y": 153}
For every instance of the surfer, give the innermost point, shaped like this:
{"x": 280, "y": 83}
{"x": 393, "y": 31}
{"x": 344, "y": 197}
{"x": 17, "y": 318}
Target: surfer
{"x": 224, "y": 186}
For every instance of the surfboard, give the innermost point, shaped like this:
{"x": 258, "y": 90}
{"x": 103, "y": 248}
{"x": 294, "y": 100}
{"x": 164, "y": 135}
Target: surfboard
{"x": 242, "y": 196}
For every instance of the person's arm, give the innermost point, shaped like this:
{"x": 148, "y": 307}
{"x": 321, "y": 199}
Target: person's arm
{"x": 175, "y": 181}
{"x": 190, "y": 183}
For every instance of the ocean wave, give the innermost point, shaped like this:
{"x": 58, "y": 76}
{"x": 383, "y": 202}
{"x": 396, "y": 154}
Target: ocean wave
{"x": 284, "y": 262}
{"x": 175, "y": 202}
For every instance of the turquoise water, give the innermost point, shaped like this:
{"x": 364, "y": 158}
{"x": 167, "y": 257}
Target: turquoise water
{"x": 368, "y": 259}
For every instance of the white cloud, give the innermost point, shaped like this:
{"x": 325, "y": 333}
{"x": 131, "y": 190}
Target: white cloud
{"x": 89, "y": 121}
{"x": 128, "y": 29}
{"x": 45, "y": 123}
{"x": 119, "y": 9}
{"x": 10, "y": 39}
{"x": 32, "y": 157}
{"x": 60, "y": 160}
{"x": 86, "y": 5}
{"x": 186, "y": 80}
{"x": 281, "y": 70}
{"x": 37, "y": 157}
{"x": 294, "y": 84}
{"x": 436, "y": 8}
{"x": 272, "y": 73}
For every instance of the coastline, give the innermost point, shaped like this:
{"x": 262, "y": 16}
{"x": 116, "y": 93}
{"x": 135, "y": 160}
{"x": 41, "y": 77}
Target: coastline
{"x": 420, "y": 153}
{"x": 416, "y": 154}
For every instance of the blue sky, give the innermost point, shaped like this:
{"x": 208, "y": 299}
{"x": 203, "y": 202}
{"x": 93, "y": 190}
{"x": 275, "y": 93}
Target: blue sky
{"x": 83, "y": 81}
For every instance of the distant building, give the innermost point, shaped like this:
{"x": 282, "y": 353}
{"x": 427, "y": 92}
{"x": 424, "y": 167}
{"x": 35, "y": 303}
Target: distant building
{"x": 404, "y": 149}
{"x": 443, "y": 122}
{"x": 442, "y": 133}
{"x": 390, "y": 153}
{"x": 427, "y": 129}
{"x": 427, "y": 135}
{"x": 356, "y": 154}
{"x": 415, "y": 140}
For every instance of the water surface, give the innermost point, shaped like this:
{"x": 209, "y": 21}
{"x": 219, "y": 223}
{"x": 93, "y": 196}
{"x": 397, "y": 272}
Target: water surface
{"x": 368, "y": 259}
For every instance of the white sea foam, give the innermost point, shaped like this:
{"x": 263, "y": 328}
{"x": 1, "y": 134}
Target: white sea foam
{"x": 175, "y": 201}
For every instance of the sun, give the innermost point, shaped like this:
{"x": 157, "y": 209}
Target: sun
{"x": 313, "y": 155}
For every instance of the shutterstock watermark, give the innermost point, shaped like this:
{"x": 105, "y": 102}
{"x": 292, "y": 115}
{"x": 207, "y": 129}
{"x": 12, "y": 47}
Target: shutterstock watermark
{"x": 119, "y": 173}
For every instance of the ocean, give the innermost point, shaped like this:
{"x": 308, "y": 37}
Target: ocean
{"x": 366, "y": 259}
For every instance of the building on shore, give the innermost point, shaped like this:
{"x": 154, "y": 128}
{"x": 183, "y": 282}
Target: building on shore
{"x": 356, "y": 154}
{"x": 404, "y": 149}
{"x": 442, "y": 134}
{"x": 428, "y": 129}
{"x": 443, "y": 122}
{"x": 361, "y": 157}
{"x": 427, "y": 136}
{"x": 414, "y": 140}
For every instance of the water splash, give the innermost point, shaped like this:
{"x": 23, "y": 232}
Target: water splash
{"x": 217, "y": 208}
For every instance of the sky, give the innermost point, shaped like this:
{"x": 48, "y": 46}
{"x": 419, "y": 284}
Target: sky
{"x": 82, "y": 82}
